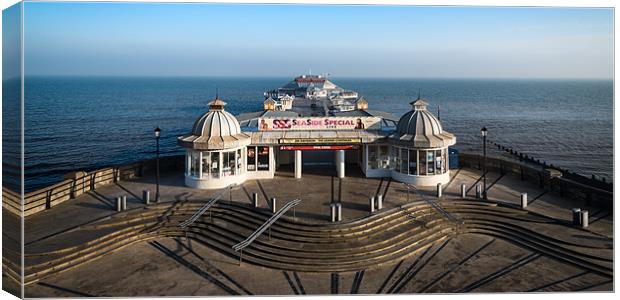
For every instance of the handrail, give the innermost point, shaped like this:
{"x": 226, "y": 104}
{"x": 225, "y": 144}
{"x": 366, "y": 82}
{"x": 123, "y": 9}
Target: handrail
{"x": 266, "y": 225}
{"x": 205, "y": 207}
{"x": 436, "y": 206}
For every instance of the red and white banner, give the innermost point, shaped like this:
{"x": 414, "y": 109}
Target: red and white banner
{"x": 314, "y": 123}
{"x": 322, "y": 147}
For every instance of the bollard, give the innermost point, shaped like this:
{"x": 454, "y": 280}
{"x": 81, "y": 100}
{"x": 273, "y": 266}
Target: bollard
{"x": 339, "y": 211}
{"x": 478, "y": 191}
{"x": 379, "y": 202}
{"x": 523, "y": 200}
{"x": 372, "y": 204}
{"x": 439, "y": 191}
{"x": 584, "y": 219}
{"x": 273, "y": 205}
{"x": 146, "y": 196}
{"x": 119, "y": 203}
{"x": 463, "y": 191}
{"x": 124, "y": 202}
{"x": 576, "y": 216}
{"x": 332, "y": 210}
{"x": 255, "y": 199}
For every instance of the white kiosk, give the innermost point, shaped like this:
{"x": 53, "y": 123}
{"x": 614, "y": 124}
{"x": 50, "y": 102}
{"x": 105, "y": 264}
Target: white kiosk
{"x": 419, "y": 148}
{"x": 216, "y": 149}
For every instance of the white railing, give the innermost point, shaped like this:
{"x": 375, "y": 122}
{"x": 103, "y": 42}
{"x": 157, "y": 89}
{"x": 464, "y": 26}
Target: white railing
{"x": 434, "y": 205}
{"x": 240, "y": 246}
{"x": 206, "y": 207}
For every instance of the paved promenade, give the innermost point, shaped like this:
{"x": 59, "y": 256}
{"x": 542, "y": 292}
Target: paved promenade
{"x": 469, "y": 262}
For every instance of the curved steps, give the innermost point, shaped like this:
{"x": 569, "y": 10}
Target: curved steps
{"x": 375, "y": 240}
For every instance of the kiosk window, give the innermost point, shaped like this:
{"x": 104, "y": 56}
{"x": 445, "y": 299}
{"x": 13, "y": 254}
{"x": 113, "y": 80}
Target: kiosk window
{"x": 373, "y": 157}
{"x": 413, "y": 162}
{"x": 215, "y": 161}
{"x": 430, "y": 159}
{"x": 422, "y": 158}
{"x": 239, "y": 167}
{"x": 404, "y": 160}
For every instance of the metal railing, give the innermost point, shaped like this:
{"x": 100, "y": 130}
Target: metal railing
{"x": 434, "y": 205}
{"x": 240, "y": 246}
{"x": 206, "y": 207}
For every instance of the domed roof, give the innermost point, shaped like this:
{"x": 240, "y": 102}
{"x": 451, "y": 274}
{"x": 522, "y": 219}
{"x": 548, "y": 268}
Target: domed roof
{"x": 419, "y": 128}
{"x": 216, "y": 129}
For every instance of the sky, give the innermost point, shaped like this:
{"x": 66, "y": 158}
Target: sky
{"x": 136, "y": 39}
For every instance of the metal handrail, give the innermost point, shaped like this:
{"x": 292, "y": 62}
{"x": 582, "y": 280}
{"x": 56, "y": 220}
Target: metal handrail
{"x": 266, "y": 225}
{"x": 436, "y": 206}
{"x": 205, "y": 207}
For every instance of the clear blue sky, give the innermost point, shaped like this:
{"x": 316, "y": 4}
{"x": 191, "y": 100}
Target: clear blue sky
{"x": 287, "y": 40}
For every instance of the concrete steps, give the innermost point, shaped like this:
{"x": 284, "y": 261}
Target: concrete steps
{"x": 376, "y": 240}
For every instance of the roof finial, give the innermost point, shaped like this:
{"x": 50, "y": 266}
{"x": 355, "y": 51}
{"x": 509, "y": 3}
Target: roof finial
{"x": 217, "y": 93}
{"x": 418, "y": 94}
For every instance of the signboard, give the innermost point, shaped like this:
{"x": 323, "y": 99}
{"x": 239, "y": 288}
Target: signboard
{"x": 319, "y": 123}
{"x": 322, "y": 147}
{"x": 321, "y": 141}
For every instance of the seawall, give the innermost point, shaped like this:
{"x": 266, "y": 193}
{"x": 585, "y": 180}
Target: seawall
{"x": 79, "y": 182}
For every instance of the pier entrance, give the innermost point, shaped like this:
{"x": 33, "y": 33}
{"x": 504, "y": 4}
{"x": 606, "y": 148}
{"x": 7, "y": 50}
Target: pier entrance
{"x": 324, "y": 159}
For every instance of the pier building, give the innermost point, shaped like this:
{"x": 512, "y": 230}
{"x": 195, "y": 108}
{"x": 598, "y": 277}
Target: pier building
{"x": 297, "y": 132}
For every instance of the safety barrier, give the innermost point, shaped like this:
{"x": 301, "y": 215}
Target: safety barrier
{"x": 551, "y": 179}
{"x": 78, "y": 183}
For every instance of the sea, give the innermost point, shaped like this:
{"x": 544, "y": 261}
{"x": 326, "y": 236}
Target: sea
{"x": 85, "y": 123}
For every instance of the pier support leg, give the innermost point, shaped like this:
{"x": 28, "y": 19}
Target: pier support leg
{"x": 332, "y": 212}
{"x": 379, "y": 202}
{"x": 273, "y": 205}
{"x": 298, "y": 164}
{"x": 478, "y": 191}
{"x": 439, "y": 190}
{"x": 124, "y": 202}
{"x": 523, "y": 200}
{"x": 340, "y": 163}
{"x": 463, "y": 191}
{"x": 119, "y": 203}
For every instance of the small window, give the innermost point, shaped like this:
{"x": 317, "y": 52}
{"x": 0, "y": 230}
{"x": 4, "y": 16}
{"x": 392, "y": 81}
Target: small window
{"x": 373, "y": 157}
{"x": 397, "y": 159}
{"x": 214, "y": 167}
{"x": 430, "y": 159}
{"x": 422, "y": 158}
{"x": 413, "y": 162}
{"x": 404, "y": 157}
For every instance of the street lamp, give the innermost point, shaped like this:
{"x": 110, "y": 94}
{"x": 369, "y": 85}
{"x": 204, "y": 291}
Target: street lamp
{"x": 157, "y": 135}
{"x": 483, "y": 131}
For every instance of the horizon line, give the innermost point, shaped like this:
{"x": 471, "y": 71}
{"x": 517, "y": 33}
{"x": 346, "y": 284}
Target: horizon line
{"x": 293, "y": 76}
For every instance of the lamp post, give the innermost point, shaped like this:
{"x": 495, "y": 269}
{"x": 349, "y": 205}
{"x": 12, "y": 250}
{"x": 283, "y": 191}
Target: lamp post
{"x": 157, "y": 134}
{"x": 483, "y": 131}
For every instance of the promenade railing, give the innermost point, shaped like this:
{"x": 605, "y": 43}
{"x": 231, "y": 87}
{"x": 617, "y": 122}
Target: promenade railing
{"x": 267, "y": 225}
{"x": 434, "y": 205}
{"x": 206, "y": 207}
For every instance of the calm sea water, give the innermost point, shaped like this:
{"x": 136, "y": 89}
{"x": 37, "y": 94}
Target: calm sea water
{"x": 87, "y": 123}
